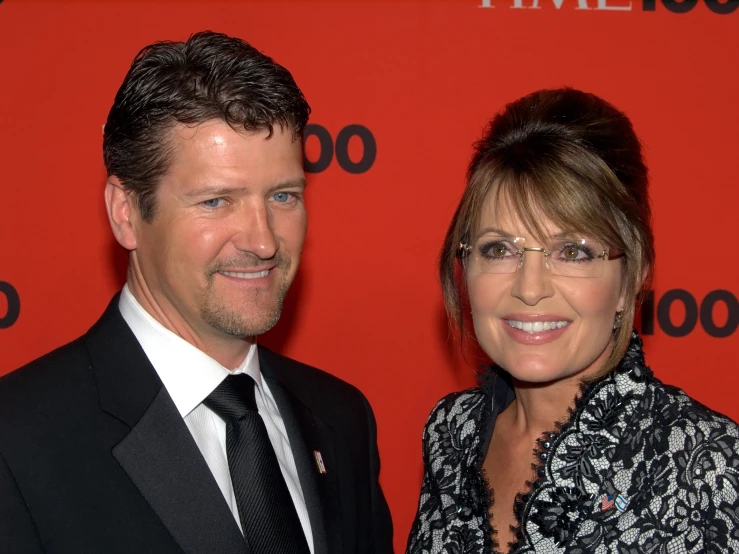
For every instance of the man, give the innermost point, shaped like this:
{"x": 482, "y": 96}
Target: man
{"x": 166, "y": 428}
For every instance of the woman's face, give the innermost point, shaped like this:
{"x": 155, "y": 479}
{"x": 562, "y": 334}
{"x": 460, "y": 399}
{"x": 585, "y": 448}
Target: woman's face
{"x": 538, "y": 326}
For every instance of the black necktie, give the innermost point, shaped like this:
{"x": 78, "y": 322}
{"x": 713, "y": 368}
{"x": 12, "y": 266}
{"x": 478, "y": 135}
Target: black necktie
{"x": 266, "y": 510}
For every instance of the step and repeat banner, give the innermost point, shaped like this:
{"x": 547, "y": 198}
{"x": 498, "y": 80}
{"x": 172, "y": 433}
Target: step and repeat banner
{"x": 400, "y": 91}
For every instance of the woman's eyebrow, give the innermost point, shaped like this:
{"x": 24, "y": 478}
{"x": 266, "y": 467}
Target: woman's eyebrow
{"x": 496, "y": 231}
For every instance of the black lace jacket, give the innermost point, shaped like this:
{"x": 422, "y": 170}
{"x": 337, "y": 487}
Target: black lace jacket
{"x": 639, "y": 467}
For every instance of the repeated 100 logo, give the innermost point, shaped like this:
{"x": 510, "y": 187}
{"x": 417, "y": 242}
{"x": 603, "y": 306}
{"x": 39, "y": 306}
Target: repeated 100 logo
{"x": 328, "y": 148}
{"x": 14, "y": 305}
{"x": 695, "y": 313}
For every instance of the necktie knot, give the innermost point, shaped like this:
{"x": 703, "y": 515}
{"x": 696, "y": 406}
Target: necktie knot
{"x": 233, "y": 398}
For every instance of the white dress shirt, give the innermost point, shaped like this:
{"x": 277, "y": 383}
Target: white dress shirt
{"x": 190, "y": 375}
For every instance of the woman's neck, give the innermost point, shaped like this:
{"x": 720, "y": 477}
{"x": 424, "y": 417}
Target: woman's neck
{"x": 538, "y": 407}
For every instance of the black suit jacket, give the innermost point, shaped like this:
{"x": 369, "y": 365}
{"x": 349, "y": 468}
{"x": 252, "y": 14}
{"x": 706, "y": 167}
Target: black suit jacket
{"x": 95, "y": 458}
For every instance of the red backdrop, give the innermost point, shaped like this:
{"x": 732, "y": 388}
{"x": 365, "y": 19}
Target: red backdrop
{"x": 421, "y": 79}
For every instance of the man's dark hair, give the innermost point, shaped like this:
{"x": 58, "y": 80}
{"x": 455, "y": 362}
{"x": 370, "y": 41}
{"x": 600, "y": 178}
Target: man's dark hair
{"x": 211, "y": 76}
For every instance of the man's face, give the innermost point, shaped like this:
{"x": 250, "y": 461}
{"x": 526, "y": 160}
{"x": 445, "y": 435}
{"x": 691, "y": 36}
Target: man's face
{"x": 225, "y": 242}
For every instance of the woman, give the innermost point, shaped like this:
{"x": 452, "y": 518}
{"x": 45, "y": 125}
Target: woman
{"x": 570, "y": 444}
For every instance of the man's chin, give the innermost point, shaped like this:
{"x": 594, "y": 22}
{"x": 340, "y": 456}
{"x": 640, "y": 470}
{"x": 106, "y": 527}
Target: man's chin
{"x": 251, "y": 330}
{"x": 242, "y": 324}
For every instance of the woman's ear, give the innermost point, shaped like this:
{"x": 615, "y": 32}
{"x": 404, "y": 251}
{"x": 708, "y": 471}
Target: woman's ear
{"x": 644, "y": 276}
{"x": 121, "y": 212}
{"x": 643, "y": 279}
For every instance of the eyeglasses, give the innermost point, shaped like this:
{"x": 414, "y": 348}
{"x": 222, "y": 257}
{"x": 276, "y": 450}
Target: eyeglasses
{"x": 567, "y": 257}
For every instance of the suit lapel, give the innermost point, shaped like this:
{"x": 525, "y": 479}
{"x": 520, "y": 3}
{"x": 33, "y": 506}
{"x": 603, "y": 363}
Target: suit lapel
{"x": 162, "y": 459}
{"x": 308, "y": 435}
{"x": 158, "y": 454}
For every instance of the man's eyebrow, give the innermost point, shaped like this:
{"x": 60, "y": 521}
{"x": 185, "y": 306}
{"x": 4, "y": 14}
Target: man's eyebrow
{"x": 214, "y": 190}
{"x": 222, "y": 190}
{"x": 289, "y": 184}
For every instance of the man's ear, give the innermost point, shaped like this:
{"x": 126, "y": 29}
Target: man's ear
{"x": 121, "y": 213}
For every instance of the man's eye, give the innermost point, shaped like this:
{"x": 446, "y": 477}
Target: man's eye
{"x": 213, "y": 202}
{"x": 282, "y": 196}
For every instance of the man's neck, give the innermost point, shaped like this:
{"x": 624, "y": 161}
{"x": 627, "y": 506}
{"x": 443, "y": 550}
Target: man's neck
{"x": 227, "y": 350}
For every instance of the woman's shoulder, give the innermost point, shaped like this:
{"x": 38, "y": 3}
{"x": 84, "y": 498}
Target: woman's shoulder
{"x": 453, "y": 432}
{"x": 683, "y": 411}
{"x": 661, "y": 404}
{"x": 697, "y": 435}
{"x": 460, "y": 404}
{"x": 457, "y": 416}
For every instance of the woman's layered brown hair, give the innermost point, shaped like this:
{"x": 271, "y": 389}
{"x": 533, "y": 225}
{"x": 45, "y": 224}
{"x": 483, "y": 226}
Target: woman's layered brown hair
{"x": 574, "y": 159}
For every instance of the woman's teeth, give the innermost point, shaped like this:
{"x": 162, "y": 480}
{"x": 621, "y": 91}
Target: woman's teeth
{"x": 536, "y": 326}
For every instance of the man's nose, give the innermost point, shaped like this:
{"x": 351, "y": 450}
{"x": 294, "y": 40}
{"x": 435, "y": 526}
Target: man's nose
{"x": 255, "y": 234}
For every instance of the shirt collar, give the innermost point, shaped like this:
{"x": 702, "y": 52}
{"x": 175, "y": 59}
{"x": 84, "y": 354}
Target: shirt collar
{"x": 188, "y": 373}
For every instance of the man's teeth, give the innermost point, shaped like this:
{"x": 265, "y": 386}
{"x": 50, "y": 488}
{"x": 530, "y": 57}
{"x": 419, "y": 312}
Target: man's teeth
{"x": 536, "y": 326}
{"x": 241, "y": 275}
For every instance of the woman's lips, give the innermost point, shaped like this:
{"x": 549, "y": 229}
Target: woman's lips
{"x": 535, "y": 329}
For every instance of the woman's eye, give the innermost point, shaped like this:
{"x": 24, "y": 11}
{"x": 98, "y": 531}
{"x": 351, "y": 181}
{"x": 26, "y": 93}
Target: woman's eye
{"x": 213, "y": 202}
{"x": 495, "y": 250}
{"x": 570, "y": 252}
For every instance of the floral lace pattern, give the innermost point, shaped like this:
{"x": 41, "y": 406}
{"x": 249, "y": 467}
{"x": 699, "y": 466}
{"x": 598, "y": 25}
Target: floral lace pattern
{"x": 639, "y": 467}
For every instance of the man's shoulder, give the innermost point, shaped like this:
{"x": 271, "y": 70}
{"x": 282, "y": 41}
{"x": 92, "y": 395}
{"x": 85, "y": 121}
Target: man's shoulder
{"x": 63, "y": 367}
{"x": 47, "y": 372}
{"x": 42, "y": 391}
